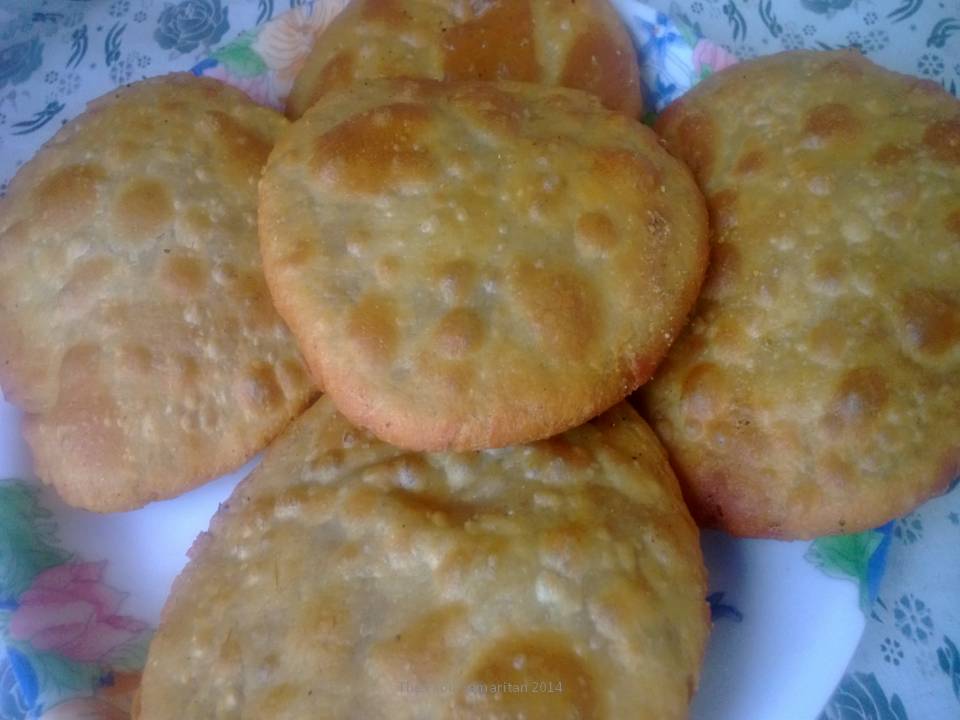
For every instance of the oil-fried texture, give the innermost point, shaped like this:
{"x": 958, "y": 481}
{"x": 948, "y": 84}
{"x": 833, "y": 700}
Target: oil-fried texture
{"x": 476, "y": 265}
{"x": 581, "y": 45}
{"x": 349, "y": 579}
{"x": 138, "y": 332}
{"x": 817, "y": 389}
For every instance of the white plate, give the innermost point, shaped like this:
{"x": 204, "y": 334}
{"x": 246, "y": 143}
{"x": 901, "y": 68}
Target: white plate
{"x": 784, "y": 631}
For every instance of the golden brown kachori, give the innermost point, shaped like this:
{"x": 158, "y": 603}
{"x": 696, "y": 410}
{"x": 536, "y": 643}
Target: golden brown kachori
{"x": 817, "y": 388}
{"x": 471, "y": 265}
{"x": 581, "y": 45}
{"x": 138, "y": 333}
{"x": 346, "y": 578}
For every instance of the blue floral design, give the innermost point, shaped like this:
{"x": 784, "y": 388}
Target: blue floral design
{"x": 826, "y": 7}
{"x": 736, "y": 20}
{"x": 912, "y": 617}
{"x": 119, "y": 8}
{"x": 860, "y": 697}
{"x": 942, "y": 31}
{"x": 930, "y": 65}
{"x": 949, "y": 658}
{"x": 906, "y": 9}
{"x": 183, "y": 27}
{"x": 18, "y": 61}
{"x": 892, "y": 651}
{"x": 909, "y": 529}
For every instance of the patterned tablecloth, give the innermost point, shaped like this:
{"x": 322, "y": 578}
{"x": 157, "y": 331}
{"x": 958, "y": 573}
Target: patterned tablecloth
{"x": 55, "y": 55}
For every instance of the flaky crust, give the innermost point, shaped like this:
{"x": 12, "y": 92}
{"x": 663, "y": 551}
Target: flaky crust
{"x": 817, "y": 390}
{"x": 581, "y": 45}
{"x": 476, "y": 265}
{"x": 137, "y": 330}
{"x": 348, "y": 578}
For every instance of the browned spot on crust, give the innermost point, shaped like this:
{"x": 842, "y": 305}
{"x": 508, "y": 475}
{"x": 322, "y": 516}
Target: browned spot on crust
{"x": 891, "y": 154}
{"x": 377, "y": 150}
{"x": 143, "y": 209}
{"x": 259, "y": 389}
{"x": 372, "y": 328}
{"x": 389, "y": 12}
{"x": 184, "y": 274}
{"x": 496, "y": 44}
{"x": 595, "y": 233}
{"x": 246, "y": 151}
{"x": 626, "y": 171}
{"x": 931, "y": 320}
{"x": 135, "y": 358}
{"x": 704, "y": 393}
{"x": 952, "y": 223}
{"x": 421, "y": 651}
{"x": 751, "y": 161}
{"x": 597, "y": 65}
{"x": 489, "y": 106}
{"x": 559, "y": 306}
{"x": 460, "y": 332}
{"x": 455, "y": 279}
{"x": 69, "y": 196}
{"x": 943, "y": 139}
{"x": 831, "y": 120}
{"x": 543, "y": 655}
{"x": 861, "y": 394}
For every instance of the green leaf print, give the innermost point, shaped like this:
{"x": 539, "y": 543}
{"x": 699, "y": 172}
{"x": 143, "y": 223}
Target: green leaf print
{"x": 240, "y": 58}
{"x": 28, "y": 543}
{"x": 847, "y": 556}
{"x": 131, "y": 656}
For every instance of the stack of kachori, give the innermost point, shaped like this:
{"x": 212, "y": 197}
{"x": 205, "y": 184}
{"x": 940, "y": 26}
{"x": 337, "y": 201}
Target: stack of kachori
{"x": 470, "y": 243}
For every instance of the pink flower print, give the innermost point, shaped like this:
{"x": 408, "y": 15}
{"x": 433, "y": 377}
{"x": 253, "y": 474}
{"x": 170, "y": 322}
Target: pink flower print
{"x": 285, "y": 41}
{"x": 710, "y": 56}
{"x": 69, "y": 611}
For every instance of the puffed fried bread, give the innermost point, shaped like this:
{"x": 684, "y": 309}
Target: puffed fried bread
{"x": 582, "y": 45}
{"x": 349, "y": 578}
{"x": 816, "y": 390}
{"x": 138, "y": 332}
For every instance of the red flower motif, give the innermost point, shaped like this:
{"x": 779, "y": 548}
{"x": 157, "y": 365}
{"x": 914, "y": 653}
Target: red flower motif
{"x": 68, "y": 610}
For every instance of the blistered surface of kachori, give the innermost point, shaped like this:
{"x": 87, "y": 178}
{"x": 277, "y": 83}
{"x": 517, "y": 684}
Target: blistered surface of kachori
{"x": 817, "y": 389}
{"x": 581, "y": 45}
{"x": 350, "y": 579}
{"x": 138, "y": 332}
{"x": 475, "y": 265}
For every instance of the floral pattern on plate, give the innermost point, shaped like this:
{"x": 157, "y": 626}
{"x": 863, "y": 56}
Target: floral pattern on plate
{"x": 69, "y": 650}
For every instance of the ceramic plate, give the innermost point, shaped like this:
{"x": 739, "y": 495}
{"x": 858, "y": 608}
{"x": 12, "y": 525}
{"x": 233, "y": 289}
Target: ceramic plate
{"x": 80, "y": 593}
